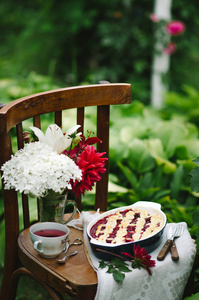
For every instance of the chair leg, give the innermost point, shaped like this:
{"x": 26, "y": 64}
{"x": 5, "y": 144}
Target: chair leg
{"x": 14, "y": 283}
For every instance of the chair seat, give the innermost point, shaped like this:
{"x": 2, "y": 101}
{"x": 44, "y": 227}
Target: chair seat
{"x": 76, "y": 276}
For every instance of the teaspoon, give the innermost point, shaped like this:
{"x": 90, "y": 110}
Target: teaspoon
{"x": 63, "y": 260}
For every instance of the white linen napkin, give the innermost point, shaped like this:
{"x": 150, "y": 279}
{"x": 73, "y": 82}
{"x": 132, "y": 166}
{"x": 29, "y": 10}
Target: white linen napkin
{"x": 168, "y": 278}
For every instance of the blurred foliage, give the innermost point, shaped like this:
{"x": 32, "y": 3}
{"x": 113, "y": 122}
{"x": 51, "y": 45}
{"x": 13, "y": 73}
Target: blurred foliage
{"x": 185, "y": 62}
{"x": 51, "y": 44}
{"x": 78, "y": 41}
{"x": 14, "y": 88}
{"x": 183, "y": 105}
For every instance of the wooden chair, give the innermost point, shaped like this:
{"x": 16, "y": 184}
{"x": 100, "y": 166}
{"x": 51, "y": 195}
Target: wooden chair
{"x": 77, "y": 277}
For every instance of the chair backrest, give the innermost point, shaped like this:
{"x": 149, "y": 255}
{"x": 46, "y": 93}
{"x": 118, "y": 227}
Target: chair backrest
{"x": 34, "y": 107}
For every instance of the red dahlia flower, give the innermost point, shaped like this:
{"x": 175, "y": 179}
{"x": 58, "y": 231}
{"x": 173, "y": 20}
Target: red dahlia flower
{"x": 92, "y": 164}
{"x": 79, "y": 148}
{"x": 141, "y": 259}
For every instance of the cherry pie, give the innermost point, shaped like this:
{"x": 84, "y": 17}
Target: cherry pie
{"x": 126, "y": 226}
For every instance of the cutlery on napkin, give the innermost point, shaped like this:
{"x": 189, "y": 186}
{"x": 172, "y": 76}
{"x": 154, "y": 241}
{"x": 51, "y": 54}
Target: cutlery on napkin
{"x": 173, "y": 232}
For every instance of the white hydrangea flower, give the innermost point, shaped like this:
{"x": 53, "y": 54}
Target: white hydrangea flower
{"x": 37, "y": 168}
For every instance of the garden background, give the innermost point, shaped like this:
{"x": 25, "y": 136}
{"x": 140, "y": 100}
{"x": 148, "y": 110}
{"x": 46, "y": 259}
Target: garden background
{"x": 50, "y": 44}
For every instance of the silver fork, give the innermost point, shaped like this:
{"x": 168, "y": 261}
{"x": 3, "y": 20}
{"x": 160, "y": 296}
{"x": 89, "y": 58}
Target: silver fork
{"x": 173, "y": 249}
{"x": 180, "y": 230}
{"x": 172, "y": 233}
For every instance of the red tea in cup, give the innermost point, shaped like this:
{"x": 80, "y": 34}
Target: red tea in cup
{"x": 50, "y": 232}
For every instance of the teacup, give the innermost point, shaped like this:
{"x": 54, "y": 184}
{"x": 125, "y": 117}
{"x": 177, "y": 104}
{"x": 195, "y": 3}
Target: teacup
{"x": 49, "y": 238}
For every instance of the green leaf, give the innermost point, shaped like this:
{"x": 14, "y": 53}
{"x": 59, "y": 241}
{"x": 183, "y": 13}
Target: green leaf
{"x": 124, "y": 269}
{"x": 171, "y": 134}
{"x": 197, "y": 239}
{"x": 156, "y": 149}
{"x": 181, "y": 152}
{"x": 196, "y": 217}
{"x": 135, "y": 265}
{"x": 148, "y": 193}
{"x": 196, "y": 161}
{"x": 192, "y": 146}
{"x": 169, "y": 167}
{"x": 102, "y": 264}
{"x": 139, "y": 157}
{"x": 177, "y": 182}
{"x": 129, "y": 175}
{"x": 118, "y": 262}
{"x": 111, "y": 269}
{"x": 146, "y": 181}
{"x": 118, "y": 276}
{"x": 161, "y": 194}
{"x": 194, "y": 179}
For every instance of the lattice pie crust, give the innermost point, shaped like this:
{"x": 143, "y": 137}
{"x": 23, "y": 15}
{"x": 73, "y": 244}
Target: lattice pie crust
{"x": 126, "y": 226}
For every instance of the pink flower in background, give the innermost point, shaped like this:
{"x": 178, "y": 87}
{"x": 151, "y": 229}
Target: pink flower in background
{"x": 175, "y": 28}
{"x": 171, "y": 48}
{"x": 154, "y": 18}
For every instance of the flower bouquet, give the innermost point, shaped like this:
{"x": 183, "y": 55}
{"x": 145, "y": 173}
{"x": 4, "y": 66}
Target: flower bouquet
{"x": 50, "y": 164}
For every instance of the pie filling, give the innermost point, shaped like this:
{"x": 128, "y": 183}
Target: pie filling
{"x": 126, "y": 226}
